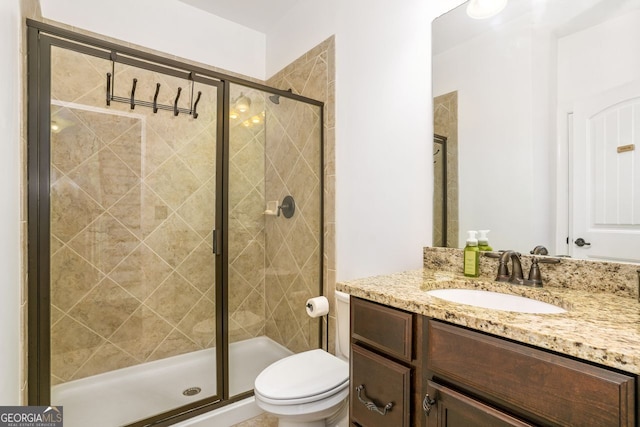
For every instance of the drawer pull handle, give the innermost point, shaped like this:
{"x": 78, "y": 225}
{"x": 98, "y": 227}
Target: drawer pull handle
{"x": 427, "y": 404}
{"x": 370, "y": 405}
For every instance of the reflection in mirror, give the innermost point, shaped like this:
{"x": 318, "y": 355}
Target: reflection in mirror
{"x": 517, "y": 79}
{"x": 445, "y": 171}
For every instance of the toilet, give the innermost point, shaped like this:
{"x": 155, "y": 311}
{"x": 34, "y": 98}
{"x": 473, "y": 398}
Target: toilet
{"x": 310, "y": 389}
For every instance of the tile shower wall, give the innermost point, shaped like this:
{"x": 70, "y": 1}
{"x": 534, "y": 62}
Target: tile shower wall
{"x": 445, "y": 123}
{"x": 98, "y": 354}
{"x": 246, "y": 282}
{"x": 293, "y": 168}
{"x": 132, "y": 211}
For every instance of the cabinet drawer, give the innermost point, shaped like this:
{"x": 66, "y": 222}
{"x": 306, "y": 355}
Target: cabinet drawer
{"x": 541, "y": 386}
{"x": 385, "y": 328}
{"x": 378, "y": 381}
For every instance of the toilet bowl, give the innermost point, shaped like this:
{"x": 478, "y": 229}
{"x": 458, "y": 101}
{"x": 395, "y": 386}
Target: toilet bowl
{"x": 310, "y": 389}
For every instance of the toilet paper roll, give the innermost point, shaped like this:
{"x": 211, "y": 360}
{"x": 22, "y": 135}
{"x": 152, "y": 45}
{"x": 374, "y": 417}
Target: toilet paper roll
{"x": 318, "y": 306}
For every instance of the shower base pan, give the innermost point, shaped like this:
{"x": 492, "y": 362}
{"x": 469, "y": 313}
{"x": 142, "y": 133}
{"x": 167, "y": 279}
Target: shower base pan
{"x": 126, "y": 395}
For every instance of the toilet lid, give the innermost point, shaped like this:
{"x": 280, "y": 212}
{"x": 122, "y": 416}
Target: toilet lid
{"x": 302, "y": 375}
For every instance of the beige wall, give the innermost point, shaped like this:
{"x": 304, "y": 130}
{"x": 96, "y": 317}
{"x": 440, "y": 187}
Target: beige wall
{"x": 109, "y": 309}
{"x": 313, "y": 75}
{"x": 246, "y": 219}
{"x": 290, "y": 248}
{"x": 132, "y": 212}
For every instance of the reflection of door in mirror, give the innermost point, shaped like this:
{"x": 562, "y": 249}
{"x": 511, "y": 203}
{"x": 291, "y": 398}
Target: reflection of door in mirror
{"x": 605, "y": 102}
{"x": 606, "y": 166}
{"x": 445, "y": 170}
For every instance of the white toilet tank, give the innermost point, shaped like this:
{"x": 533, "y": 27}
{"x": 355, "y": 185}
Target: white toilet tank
{"x": 342, "y": 325}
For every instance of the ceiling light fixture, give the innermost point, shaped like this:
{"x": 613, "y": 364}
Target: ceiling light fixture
{"x": 483, "y": 9}
{"x": 58, "y": 124}
{"x": 242, "y": 103}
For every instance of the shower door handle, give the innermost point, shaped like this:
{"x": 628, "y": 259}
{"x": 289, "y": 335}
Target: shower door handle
{"x": 216, "y": 243}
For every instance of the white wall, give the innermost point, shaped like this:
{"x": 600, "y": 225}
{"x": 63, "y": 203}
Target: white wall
{"x": 306, "y": 25}
{"x": 10, "y": 110}
{"x": 609, "y": 51}
{"x": 169, "y": 26}
{"x": 383, "y": 136}
{"x": 504, "y": 135}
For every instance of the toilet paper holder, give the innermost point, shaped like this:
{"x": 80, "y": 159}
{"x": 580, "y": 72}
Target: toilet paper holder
{"x": 317, "y": 306}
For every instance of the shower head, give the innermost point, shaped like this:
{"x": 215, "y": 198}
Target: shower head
{"x": 276, "y": 98}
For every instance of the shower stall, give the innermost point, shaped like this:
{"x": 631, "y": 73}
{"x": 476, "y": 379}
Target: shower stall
{"x": 175, "y": 231}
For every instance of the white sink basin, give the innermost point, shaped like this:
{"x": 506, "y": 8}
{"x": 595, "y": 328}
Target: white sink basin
{"x": 496, "y": 301}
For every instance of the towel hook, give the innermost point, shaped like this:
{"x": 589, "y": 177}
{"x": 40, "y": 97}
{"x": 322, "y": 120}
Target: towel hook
{"x": 133, "y": 94}
{"x": 155, "y": 98}
{"x": 108, "y": 89}
{"x": 175, "y": 103}
{"x": 195, "y": 106}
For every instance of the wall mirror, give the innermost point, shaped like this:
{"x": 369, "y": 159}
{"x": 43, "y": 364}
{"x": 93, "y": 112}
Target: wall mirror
{"x": 507, "y": 92}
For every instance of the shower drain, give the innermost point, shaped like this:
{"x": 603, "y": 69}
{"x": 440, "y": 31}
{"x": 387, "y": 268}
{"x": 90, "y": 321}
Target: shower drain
{"x": 192, "y": 391}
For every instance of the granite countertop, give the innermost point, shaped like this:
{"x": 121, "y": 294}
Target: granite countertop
{"x": 598, "y": 326}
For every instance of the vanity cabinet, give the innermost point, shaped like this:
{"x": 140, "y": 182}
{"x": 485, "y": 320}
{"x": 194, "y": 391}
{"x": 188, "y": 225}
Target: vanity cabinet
{"x": 429, "y": 373}
{"x": 386, "y": 353}
{"x": 474, "y": 379}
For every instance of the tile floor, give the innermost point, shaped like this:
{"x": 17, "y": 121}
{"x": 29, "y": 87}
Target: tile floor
{"x": 264, "y": 420}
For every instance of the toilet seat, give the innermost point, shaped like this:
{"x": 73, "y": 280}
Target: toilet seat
{"x": 301, "y": 378}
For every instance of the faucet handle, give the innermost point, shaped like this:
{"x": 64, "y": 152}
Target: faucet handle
{"x": 549, "y": 260}
{"x": 539, "y": 250}
{"x": 535, "y": 278}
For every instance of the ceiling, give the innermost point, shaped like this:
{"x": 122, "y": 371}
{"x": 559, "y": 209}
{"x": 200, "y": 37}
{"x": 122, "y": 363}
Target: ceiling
{"x": 259, "y": 15}
{"x": 562, "y": 17}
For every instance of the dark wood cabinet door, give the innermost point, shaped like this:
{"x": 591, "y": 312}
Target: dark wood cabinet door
{"x": 376, "y": 383}
{"x": 453, "y": 409}
{"x": 537, "y": 385}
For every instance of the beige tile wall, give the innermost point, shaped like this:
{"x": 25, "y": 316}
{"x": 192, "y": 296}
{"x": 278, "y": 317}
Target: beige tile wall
{"x": 132, "y": 213}
{"x": 293, "y": 244}
{"x": 445, "y": 123}
{"x": 319, "y": 84}
{"x": 313, "y": 75}
{"x": 246, "y": 219}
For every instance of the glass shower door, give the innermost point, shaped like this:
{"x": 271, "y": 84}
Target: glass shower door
{"x": 133, "y": 272}
{"x": 275, "y": 259}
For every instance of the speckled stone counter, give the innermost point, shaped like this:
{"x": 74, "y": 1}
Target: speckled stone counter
{"x": 599, "y": 326}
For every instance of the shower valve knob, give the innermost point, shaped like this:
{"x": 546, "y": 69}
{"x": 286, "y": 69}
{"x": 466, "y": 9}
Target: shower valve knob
{"x": 288, "y": 207}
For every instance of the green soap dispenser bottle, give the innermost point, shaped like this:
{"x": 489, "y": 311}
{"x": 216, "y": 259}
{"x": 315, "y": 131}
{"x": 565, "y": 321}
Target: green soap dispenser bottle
{"x": 483, "y": 241}
{"x": 471, "y": 256}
